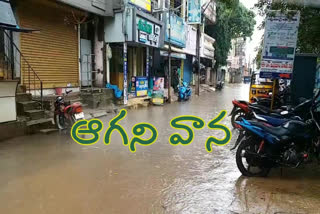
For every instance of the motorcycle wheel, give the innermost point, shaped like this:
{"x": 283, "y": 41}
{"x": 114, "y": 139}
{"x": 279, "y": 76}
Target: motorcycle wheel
{"x": 237, "y": 116}
{"x": 249, "y": 165}
{"x": 59, "y": 121}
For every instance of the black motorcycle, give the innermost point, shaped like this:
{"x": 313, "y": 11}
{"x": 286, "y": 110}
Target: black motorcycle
{"x": 263, "y": 147}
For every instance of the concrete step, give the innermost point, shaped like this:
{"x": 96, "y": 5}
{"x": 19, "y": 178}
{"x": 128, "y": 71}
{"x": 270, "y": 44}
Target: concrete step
{"x": 21, "y": 89}
{"x": 40, "y": 121}
{"x": 34, "y": 114}
{"x": 23, "y": 97}
{"x": 22, "y": 107}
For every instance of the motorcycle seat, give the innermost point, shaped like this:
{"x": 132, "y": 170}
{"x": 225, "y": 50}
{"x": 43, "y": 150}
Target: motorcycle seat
{"x": 264, "y": 109}
{"x": 279, "y": 131}
{"x": 274, "y": 121}
{"x": 244, "y": 102}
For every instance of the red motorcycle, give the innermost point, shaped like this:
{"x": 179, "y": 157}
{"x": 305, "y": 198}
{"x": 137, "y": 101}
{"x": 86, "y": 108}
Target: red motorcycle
{"x": 66, "y": 114}
{"x": 240, "y": 110}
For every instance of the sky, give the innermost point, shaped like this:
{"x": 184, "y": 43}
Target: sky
{"x": 257, "y": 35}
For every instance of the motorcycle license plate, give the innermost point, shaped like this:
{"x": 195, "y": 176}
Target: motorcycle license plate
{"x": 79, "y": 116}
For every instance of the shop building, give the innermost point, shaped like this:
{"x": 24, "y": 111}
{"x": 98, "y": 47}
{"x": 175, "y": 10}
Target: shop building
{"x": 133, "y": 36}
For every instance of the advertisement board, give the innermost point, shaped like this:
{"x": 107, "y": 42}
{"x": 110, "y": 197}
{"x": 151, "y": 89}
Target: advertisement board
{"x": 141, "y": 86}
{"x": 158, "y": 83}
{"x": 178, "y": 31}
{"x": 142, "y": 4}
{"x": 194, "y": 11}
{"x": 147, "y": 32}
{"x": 158, "y": 91}
{"x": 280, "y": 40}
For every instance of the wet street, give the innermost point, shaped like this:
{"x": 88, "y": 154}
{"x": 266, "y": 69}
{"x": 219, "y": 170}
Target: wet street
{"x": 52, "y": 174}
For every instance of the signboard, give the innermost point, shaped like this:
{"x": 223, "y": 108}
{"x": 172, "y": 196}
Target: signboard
{"x": 133, "y": 85}
{"x": 194, "y": 11}
{"x": 141, "y": 86}
{"x": 147, "y": 32}
{"x": 191, "y": 48}
{"x": 142, "y": 4}
{"x": 158, "y": 83}
{"x": 158, "y": 91}
{"x": 279, "y": 49}
{"x": 174, "y": 55}
{"x": 178, "y": 30}
{"x": 210, "y": 10}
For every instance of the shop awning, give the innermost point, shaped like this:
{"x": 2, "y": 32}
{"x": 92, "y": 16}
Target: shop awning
{"x": 18, "y": 29}
{"x": 7, "y": 19}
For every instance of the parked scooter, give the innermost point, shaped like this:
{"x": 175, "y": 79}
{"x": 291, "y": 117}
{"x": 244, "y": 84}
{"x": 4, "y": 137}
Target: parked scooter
{"x": 185, "y": 92}
{"x": 65, "y": 113}
{"x": 220, "y": 85}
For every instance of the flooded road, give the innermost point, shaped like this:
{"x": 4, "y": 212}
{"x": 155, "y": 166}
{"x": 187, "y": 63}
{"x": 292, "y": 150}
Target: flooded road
{"x": 52, "y": 174}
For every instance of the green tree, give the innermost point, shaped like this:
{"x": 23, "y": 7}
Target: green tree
{"x": 233, "y": 21}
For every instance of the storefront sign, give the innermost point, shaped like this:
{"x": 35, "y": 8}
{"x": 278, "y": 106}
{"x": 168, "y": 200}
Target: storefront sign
{"x": 194, "y": 11}
{"x": 279, "y": 49}
{"x": 143, "y": 4}
{"x": 173, "y": 55}
{"x": 178, "y": 31}
{"x": 147, "y": 32}
{"x": 141, "y": 86}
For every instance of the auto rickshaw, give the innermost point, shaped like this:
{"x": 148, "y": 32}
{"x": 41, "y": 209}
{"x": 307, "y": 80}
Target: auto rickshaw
{"x": 260, "y": 87}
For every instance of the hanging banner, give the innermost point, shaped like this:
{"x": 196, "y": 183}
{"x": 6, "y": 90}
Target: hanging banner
{"x": 280, "y": 41}
{"x": 143, "y": 4}
{"x": 125, "y": 73}
{"x": 194, "y": 11}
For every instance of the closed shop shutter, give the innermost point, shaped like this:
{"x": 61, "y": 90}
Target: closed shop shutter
{"x": 53, "y": 52}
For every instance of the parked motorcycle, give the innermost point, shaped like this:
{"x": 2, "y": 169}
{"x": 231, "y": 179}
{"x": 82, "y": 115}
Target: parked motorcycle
{"x": 185, "y": 92}
{"x": 220, "y": 85}
{"x": 65, "y": 113}
{"x": 243, "y": 109}
{"x": 261, "y": 146}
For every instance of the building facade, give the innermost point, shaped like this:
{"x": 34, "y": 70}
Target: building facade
{"x": 236, "y": 61}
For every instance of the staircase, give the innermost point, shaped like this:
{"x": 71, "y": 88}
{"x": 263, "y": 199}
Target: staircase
{"x": 26, "y": 107}
{"x": 29, "y": 95}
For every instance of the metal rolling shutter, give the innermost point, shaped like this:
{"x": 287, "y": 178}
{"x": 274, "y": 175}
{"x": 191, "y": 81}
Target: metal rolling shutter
{"x": 53, "y": 52}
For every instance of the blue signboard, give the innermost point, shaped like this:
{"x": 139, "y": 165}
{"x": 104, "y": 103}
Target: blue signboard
{"x": 178, "y": 31}
{"x": 141, "y": 86}
{"x": 194, "y": 11}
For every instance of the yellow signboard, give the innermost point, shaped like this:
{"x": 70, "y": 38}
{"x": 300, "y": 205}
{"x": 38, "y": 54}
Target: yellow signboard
{"x": 143, "y": 4}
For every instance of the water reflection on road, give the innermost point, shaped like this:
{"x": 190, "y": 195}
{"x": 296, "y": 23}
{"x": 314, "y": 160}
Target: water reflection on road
{"x": 52, "y": 174}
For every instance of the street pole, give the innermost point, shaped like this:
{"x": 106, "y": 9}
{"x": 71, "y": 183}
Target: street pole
{"x": 203, "y": 10}
{"x": 169, "y": 59}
